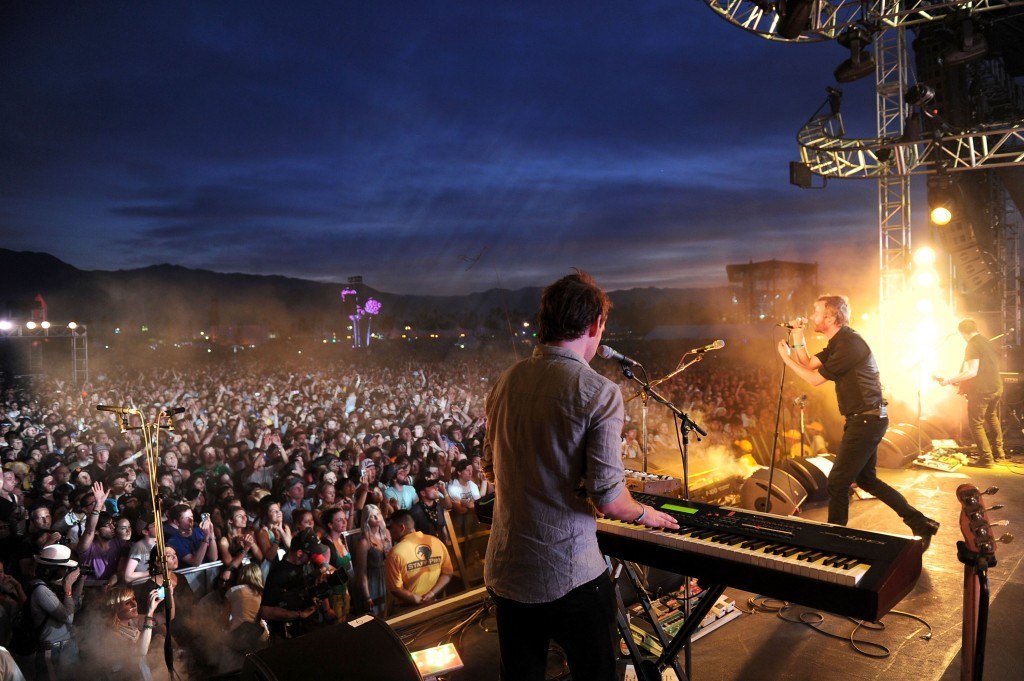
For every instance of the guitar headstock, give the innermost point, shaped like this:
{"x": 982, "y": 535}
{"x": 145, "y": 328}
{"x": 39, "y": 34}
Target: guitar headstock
{"x": 974, "y": 523}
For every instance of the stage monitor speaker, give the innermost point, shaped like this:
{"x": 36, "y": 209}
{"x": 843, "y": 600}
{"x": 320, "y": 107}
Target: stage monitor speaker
{"x": 364, "y": 649}
{"x": 933, "y": 430}
{"x": 812, "y": 472}
{"x": 897, "y": 449}
{"x": 787, "y": 492}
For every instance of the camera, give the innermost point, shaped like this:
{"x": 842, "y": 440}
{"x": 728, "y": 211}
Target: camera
{"x": 203, "y": 517}
{"x": 85, "y": 570}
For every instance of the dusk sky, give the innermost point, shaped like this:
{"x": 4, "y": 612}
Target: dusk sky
{"x": 431, "y": 147}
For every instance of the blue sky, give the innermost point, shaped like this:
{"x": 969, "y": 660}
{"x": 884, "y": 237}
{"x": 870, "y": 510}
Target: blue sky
{"x": 435, "y": 147}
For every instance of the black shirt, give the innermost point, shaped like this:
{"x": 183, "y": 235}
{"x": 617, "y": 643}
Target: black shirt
{"x": 988, "y": 380}
{"x": 284, "y": 588}
{"x": 429, "y": 519}
{"x": 848, "y": 361}
{"x": 285, "y": 585}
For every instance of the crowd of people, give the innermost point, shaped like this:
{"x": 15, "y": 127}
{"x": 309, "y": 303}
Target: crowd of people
{"x": 289, "y": 498}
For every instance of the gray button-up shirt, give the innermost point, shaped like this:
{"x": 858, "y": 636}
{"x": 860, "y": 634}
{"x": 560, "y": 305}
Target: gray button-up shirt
{"x": 554, "y": 433}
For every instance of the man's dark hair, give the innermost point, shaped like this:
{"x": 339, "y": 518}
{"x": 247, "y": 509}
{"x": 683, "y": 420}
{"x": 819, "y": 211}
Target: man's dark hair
{"x": 177, "y": 511}
{"x": 403, "y": 518}
{"x": 569, "y": 306}
{"x": 967, "y": 326}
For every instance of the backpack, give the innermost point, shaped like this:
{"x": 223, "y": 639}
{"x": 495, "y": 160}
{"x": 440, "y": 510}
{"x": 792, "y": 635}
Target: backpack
{"x": 24, "y": 634}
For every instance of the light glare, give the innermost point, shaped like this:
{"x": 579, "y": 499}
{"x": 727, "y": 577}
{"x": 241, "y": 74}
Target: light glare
{"x": 941, "y": 215}
{"x": 924, "y": 256}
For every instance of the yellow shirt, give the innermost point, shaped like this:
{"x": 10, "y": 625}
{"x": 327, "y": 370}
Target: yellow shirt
{"x": 417, "y": 562}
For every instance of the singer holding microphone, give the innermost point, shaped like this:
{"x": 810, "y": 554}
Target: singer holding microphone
{"x": 847, "y": 360}
{"x": 552, "y": 451}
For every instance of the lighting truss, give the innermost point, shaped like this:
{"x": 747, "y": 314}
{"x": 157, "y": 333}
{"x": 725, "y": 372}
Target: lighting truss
{"x": 832, "y": 17}
{"x": 827, "y": 153}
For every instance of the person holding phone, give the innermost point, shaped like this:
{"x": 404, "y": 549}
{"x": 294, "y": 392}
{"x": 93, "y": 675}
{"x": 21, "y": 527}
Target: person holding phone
{"x": 118, "y": 646}
{"x": 195, "y": 545}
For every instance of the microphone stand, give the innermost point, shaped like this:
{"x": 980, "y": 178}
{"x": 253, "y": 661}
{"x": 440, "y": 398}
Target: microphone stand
{"x": 686, "y": 426}
{"x": 645, "y": 395}
{"x": 151, "y": 444}
{"x": 802, "y": 402}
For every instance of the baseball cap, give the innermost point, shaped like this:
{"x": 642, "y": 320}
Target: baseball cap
{"x": 307, "y": 542}
{"x": 421, "y": 484}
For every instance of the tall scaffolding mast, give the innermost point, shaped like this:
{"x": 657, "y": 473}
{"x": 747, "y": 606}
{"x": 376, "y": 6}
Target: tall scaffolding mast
{"x": 891, "y": 158}
{"x": 893, "y": 188}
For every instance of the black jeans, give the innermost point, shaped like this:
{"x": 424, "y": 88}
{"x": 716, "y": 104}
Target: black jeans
{"x": 983, "y": 419}
{"x": 855, "y": 462}
{"x": 582, "y": 622}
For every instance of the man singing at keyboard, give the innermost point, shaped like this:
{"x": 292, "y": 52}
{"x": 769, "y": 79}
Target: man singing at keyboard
{"x": 848, "y": 361}
{"x": 553, "y": 453}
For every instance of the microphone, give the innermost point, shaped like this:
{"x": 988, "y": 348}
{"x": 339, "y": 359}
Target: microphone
{"x": 116, "y": 410}
{"x": 607, "y": 353}
{"x": 714, "y": 345}
{"x": 175, "y": 411}
{"x": 787, "y": 325}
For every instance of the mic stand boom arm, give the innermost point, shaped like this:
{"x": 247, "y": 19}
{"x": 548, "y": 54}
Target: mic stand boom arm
{"x": 686, "y": 423}
{"x": 683, "y": 366}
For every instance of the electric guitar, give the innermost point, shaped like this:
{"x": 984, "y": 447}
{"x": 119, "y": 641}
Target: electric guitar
{"x": 978, "y": 553}
{"x": 961, "y": 387}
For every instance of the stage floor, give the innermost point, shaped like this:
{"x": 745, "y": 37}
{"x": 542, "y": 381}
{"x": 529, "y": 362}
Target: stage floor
{"x": 764, "y": 646}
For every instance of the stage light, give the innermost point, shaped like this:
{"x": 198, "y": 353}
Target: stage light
{"x": 794, "y": 18}
{"x": 30, "y": 326}
{"x": 860, "y": 63}
{"x": 926, "y": 279}
{"x": 437, "y": 660}
{"x": 924, "y": 256}
{"x": 925, "y": 306}
{"x": 45, "y": 324}
{"x": 919, "y": 94}
{"x": 941, "y": 215}
{"x": 927, "y": 328}
{"x": 941, "y": 199}
{"x": 72, "y": 325}
{"x": 6, "y": 325}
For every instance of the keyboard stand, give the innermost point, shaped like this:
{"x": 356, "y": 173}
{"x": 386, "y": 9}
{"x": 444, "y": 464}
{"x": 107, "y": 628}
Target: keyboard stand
{"x": 651, "y": 670}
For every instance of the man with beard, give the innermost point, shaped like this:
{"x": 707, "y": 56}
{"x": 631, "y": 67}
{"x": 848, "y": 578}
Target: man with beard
{"x": 848, "y": 361}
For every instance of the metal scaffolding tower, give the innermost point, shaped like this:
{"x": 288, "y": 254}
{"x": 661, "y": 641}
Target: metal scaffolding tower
{"x": 893, "y": 157}
{"x": 893, "y": 187}
{"x": 80, "y": 356}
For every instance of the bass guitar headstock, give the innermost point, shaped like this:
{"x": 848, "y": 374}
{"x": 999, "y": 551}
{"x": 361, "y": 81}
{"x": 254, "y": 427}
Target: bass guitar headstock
{"x": 975, "y": 525}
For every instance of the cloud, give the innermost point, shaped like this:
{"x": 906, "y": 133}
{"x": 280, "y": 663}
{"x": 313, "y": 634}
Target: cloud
{"x": 649, "y": 143}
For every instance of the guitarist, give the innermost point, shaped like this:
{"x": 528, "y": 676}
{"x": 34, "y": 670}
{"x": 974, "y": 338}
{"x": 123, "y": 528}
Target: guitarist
{"x": 980, "y": 382}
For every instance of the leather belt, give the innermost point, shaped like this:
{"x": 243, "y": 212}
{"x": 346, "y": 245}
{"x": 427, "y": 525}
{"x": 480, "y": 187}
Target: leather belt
{"x": 879, "y": 412}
